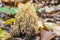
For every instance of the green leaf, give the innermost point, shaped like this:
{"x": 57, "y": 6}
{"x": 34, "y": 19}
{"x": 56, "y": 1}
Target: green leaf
{"x": 9, "y": 11}
{"x": 49, "y": 25}
{"x": 1, "y": 33}
{"x": 13, "y": 10}
{"x": 37, "y": 10}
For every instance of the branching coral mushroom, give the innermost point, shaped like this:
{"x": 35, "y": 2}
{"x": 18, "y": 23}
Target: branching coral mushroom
{"x": 26, "y": 21}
